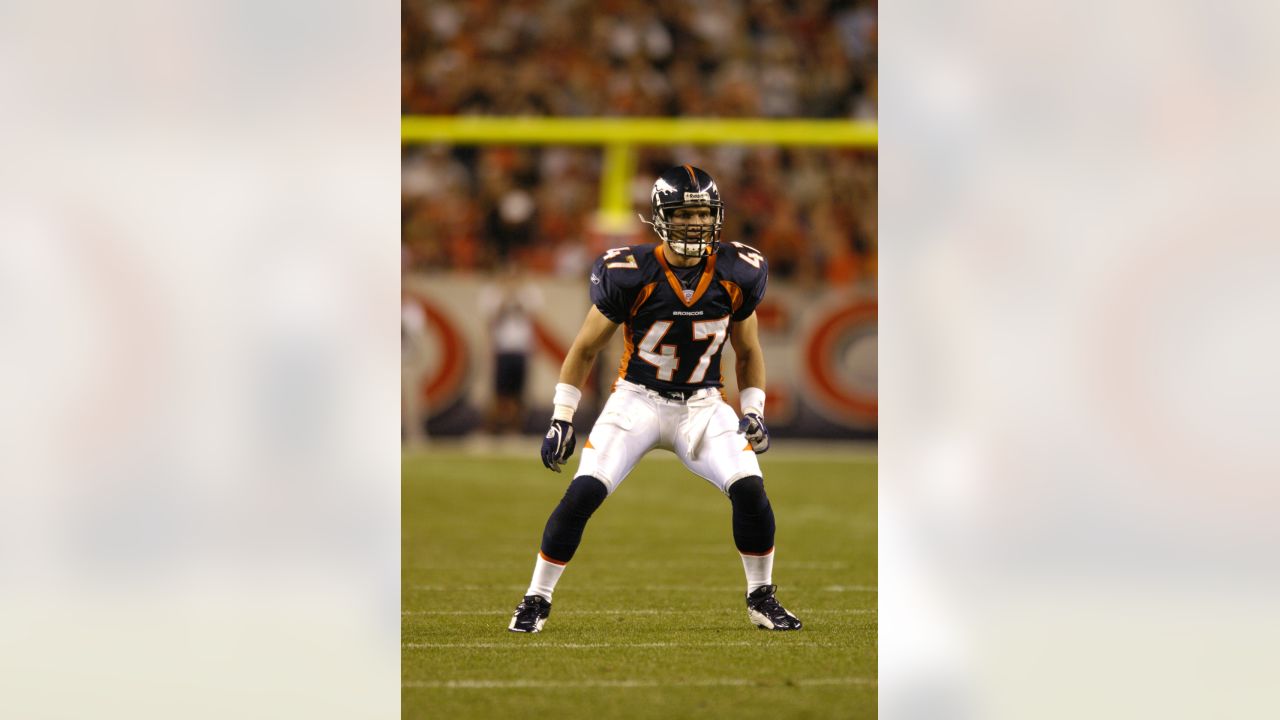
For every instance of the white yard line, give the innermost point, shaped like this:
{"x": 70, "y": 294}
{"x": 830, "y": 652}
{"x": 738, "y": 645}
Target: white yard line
{"x": 553, "y": 684}
{"x": 639, "y": 611}
{"x": 621, "y": 588}
{"x": 642, "y": 611}
{"x": 660, "y": 563}
{"x": 516, "y": 644}
{"x": 528, "y": 447}
{"x": 839, "y": 611}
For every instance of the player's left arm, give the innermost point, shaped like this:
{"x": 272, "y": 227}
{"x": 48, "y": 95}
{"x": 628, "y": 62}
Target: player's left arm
{"x": 749, "y": 364}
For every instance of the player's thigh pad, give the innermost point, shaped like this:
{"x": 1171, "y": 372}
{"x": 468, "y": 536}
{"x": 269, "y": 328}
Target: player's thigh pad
{"x": 723, "y": 456}
{"x": 626, "y": 429}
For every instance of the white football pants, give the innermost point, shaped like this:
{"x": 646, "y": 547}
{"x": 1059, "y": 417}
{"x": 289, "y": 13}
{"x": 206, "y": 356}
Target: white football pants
{"x": 702, "y": 432}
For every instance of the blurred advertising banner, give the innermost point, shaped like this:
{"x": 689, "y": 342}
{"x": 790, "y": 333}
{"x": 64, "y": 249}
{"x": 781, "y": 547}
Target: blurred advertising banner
{"x": 819, "y": 342}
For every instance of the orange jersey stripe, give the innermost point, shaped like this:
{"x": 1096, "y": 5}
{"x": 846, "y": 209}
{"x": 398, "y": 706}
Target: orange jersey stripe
{"x": 628, "y": 348}
{"x": 704, "y": 282}
{"x": 707, "y": 273}
{"x": 643, "y": 296}
{"x": 735, "y": 293}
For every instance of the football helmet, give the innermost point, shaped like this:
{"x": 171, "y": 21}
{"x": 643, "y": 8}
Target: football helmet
{"x": 686, "y": 186}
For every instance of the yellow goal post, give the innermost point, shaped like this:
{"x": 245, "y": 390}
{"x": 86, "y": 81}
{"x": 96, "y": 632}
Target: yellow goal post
{"x": 620, "y": 136}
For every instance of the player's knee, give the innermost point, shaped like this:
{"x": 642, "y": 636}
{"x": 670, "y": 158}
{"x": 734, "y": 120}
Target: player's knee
{"x": 564, "y": 528}
{"x": 747, "y": 495}
{"x": 583, "y": 496}
{"x": 753, "y": 525}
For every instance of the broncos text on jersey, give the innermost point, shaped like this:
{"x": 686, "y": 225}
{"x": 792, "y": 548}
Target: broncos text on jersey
{"x": 673, "y": 336}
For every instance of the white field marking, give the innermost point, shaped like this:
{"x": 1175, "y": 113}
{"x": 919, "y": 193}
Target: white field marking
{"x": 562, "y": 612}
{"x": 589, "y": 588}
{"x": 446, "y": 588}
{"x": 699, "y": 560}
{"x": 555, "y": 685}
{"x": 664, "y": 563}
{"x": 620, "y": 588}
{"x": 577, "y": 646}
{"x": 524, "y": 448}
{"x": 640, "y": 611}
{"x": 840, "y": 611}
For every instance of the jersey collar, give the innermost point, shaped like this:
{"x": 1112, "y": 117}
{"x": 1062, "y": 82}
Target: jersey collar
{"x": 703, "y": 282}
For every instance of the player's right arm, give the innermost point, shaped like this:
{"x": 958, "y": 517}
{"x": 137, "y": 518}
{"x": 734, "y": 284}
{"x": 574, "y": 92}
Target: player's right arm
{"x": 595, "y": 334}
{"x": 559, "y": 442}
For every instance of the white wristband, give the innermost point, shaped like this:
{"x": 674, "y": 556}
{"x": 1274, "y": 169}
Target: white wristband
{"x": 751, "y": 400}
{"x": 566, "y": 402}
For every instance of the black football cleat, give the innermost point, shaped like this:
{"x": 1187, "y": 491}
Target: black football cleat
{"x": 531, "y": 614}
{"x": 764, "y": 611}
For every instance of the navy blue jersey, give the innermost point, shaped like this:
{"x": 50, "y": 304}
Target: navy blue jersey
{"x": 673, "y": 337}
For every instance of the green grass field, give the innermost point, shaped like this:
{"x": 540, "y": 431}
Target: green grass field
{"x": 649, "y": 619}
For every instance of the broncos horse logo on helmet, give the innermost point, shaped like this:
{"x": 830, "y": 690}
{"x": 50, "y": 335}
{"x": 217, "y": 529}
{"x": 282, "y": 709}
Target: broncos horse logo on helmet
{"x": 686, "y": 186}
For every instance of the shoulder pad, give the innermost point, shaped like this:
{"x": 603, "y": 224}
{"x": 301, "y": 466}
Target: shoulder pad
{"x": 622, "y": 264}
{"x": 745, "y": 262}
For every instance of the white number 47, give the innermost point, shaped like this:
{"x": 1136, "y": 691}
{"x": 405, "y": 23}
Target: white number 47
{"x": 664, "y": 357}
{"x": 749, "y": 254}
{"x": 628, "y": 262}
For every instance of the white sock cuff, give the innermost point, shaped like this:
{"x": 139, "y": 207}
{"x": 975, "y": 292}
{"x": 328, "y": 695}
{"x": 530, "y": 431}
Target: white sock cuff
{"x": 545, "y": 576}
{"x": 759, "y": 569}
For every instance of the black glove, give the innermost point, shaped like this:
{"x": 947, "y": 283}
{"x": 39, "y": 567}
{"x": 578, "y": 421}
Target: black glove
{"x": 558, "y": 445}
{"x": 752, "y": 425}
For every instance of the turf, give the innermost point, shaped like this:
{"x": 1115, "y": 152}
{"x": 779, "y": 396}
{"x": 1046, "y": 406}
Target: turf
{"x": 648, "y": 620}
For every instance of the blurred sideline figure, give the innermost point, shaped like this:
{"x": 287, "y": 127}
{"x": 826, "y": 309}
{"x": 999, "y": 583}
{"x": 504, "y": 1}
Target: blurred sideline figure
{"x": 509, "y": 305}
{"x": 413, "y": 369}
{"x": 680, "y": 300}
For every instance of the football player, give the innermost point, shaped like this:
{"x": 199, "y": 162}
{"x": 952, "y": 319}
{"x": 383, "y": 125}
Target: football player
{"x": 678, "y": 302}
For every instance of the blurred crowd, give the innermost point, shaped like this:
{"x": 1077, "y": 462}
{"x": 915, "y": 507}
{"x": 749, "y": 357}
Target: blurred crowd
{"x": 811, "y": 211}
{"x": 716, "y": 58}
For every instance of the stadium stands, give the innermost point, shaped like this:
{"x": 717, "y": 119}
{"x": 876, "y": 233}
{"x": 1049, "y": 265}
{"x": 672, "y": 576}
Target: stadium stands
{"x": 812, "y": 211}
